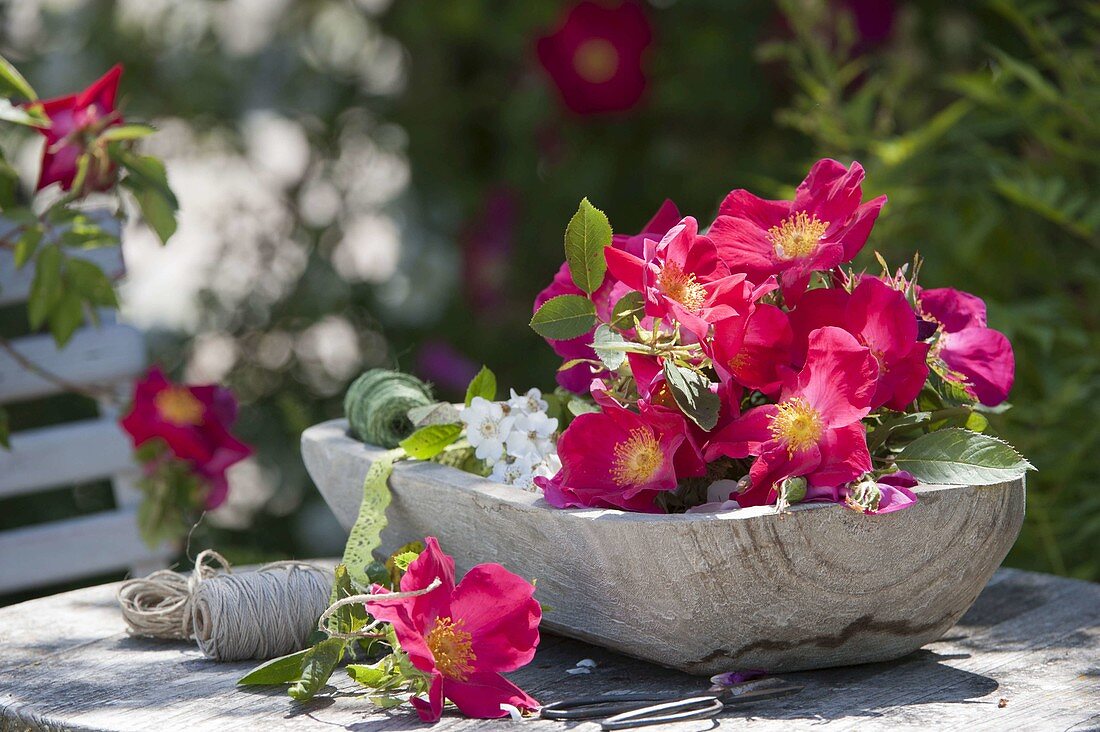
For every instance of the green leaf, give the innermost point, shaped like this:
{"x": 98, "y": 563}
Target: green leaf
{"x": 484, "y": 385}
{"x": 563, "y": 317}
{"x": 693, "y": 395}
{"x": 317, "y": 666}
{"x": 5, "y": 430}
{"x": 894, "y": 424}
{"x": 90, "y": 282}
{"x": 370, "y": 676}
{"x": 957, "y": 456}
{"x": 365, "y": 535}
{"x": 46, "y": 287}
{"x": 586, "y": 236}
{"x": 12, "y": 81}
{"x": 157, "y": 210}
{"x": 26, "y": 246}
{"x": 126, "y": 132}
{"x": 66, "y": 317}
{"x": 282, "y": 670}
{"x": 349, "y": 618}
{"x": 577, "y": 407}
{"x": 630, "y": 306}
{"x": 427, "y": 442}
{"x": 612, "y": 358}
{"x": 146, "y": 171}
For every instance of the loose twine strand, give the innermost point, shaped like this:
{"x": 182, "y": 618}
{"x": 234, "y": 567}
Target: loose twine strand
{"x": 250, "y": 615}
{"x": 365, "y": 631}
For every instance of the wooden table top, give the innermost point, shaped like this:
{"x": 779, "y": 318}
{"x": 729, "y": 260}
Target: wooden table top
{"x": 1026, "y": 656}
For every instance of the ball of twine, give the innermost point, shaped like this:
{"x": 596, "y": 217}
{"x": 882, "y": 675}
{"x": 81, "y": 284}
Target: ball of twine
{"x": 260, "y": 614}
{"x": 377, "y": 405}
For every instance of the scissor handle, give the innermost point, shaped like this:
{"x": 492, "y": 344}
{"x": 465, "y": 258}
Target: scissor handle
{"x": 697, "y": 707}
{"x": 591, "y": 707}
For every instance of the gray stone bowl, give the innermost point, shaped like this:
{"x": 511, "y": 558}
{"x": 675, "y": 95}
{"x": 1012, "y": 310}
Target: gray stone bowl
{"x": 704, "y": 593}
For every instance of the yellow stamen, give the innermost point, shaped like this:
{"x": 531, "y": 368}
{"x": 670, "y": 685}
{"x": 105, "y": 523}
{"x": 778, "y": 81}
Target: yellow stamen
{"x": 178, "y": 405}
{"x": 678, "y": 285}
{"x": 452, "y": 649}
{"x": 637, "y": 458}
{"x": 797, "y": 236}
{"x": 738, "y": 362}
{"x": 596, "y": 60}
{"x": 797, "y": 424}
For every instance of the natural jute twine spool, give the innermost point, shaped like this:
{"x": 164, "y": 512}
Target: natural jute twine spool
{"x": 259, "y": 614}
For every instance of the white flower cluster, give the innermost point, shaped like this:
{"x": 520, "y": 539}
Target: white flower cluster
{"x": 516, "y": 438}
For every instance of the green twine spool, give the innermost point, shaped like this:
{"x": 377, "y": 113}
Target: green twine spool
{"x": 377, "y": 406}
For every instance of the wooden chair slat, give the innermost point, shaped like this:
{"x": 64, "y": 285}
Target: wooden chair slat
{"x": 94, "y": 356}
{"x": 46, "y": 554}
{"x": 64, "y": 454}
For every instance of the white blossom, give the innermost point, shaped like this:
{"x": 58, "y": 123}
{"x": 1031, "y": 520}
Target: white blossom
{"x": 532, "y": 434}
{"x": 487, "y": 428}
{"x": 529, "y": 403}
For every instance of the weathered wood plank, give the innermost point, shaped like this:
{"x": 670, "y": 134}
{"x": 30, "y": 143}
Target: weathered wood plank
{"x": 64, "y": 550}
{"x": 62, "y": 454}
{"x": 1033, "y": 640}
{"x": 93, "y": 356}
{"x": 819, "y": 586}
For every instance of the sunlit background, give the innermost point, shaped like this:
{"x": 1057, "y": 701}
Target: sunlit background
{"x": 373, "y": 184}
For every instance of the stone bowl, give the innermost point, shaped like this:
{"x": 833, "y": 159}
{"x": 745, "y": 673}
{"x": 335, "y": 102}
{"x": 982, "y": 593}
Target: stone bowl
{"x": 820, "y": 586}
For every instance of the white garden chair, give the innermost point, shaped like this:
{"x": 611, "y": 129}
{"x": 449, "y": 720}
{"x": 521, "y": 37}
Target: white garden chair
{"x": 112, "y": 356}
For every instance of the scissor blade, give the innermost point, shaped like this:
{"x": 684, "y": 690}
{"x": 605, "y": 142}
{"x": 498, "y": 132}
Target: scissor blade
{"x": 758, "y": 691}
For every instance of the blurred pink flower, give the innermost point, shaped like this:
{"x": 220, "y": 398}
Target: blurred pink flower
{"x": 440, "y": 363}
{"x": 72, "y": 118}
{"x": 194, "y": 422}
{"x": 487, "y": 242}
{"x": 595, "y": 56}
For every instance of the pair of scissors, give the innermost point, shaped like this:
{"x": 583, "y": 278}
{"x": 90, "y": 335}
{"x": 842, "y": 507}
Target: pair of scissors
{"x": 640, "y": 710}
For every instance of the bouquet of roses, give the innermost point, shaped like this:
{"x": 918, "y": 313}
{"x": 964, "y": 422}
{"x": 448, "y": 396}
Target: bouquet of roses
{"x": 751, "y": 365}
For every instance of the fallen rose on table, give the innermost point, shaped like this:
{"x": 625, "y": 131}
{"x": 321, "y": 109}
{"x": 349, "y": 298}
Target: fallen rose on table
{"x": 425, "y": 636}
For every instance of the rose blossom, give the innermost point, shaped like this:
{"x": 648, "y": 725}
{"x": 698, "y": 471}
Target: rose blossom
{"x": 815, "y": 430}
{"x": 464, "y": 636}
{"x": 71, "y": 119}
{"x": 825, "y": 225}
{"x": 980, "y": 355}
{"x": 683, "y": 280}
{"x": 194, "y": 422}
{"x": 881, "y": 319}
{"x": 595, "y": 57}
{"x": 617, "y": 458}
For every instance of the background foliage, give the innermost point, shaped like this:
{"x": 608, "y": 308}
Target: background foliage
{"x": 364, "y": 184}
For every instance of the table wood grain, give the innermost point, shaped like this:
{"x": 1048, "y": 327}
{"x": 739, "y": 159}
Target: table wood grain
{"x": 1026, "y": 656}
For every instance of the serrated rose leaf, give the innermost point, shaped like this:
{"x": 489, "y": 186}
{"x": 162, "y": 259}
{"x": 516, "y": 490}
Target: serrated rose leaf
{"x": 957, "y": 456}
{"x": 630, "y": 306}
{"x": 693, "y": 395}
{"x": 586, "y": 236}
{"x": 563, "y": 317}
{"x": 612, "y": 358}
